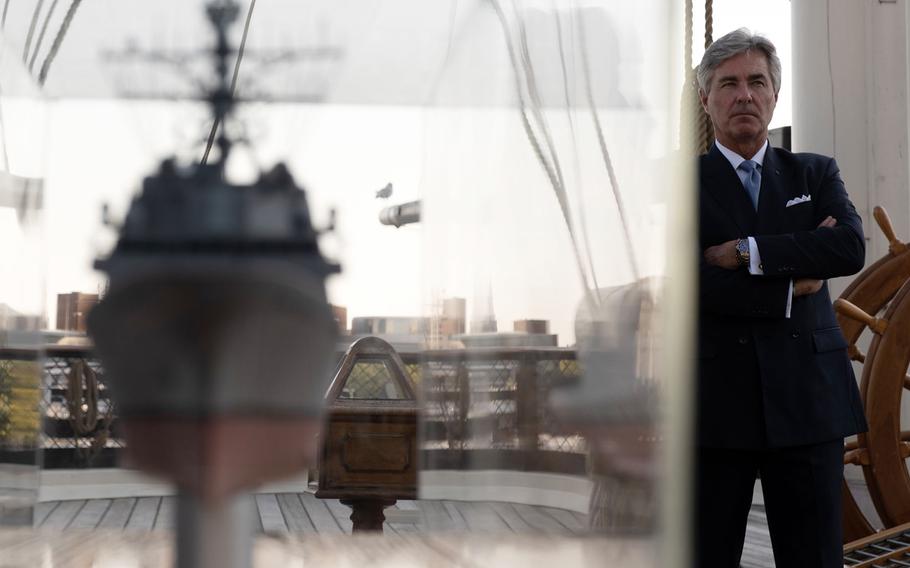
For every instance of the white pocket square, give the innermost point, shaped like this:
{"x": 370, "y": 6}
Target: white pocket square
{"x": 798, "y": 200}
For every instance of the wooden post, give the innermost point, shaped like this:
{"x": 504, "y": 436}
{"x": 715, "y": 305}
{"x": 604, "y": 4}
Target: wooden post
{"x": 526, "y": 396}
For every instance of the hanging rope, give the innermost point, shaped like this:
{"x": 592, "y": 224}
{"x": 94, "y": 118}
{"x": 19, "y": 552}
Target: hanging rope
{"x": 582, "y": 210}
{"x": 5, "y": 10}
{"x": 82, "y": 395}
{"x": 31, "y": 30}
{"x": 58, "y": 41}
{"x": 605, "y": 153}
{"x": 709, "y": 23}
{"x": 82, "y": 398}
{"x": 544, "y": 160}
{"x": 705, "y": 127}
{"x": 687, "y": 49}
{"x": 47, "y": 20}
{"x": 689, "y": 100}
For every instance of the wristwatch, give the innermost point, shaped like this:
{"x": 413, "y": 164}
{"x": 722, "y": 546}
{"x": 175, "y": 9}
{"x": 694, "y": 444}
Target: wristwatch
{"x": 742, "y": 252}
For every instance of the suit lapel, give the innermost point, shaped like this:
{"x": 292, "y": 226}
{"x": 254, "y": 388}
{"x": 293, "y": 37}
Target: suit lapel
{"x": 772, "y": 198}
{"x": 721, "y": 183}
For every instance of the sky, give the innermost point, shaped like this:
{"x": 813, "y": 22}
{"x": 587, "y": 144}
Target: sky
{"x": 493, "y": 222}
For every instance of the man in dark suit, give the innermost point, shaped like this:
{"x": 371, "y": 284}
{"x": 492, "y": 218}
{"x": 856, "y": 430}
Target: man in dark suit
{"x": 776, "y": 390}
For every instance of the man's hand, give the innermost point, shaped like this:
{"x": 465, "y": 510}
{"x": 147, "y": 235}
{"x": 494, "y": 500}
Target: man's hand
{"x": 806, "y": 286}
{"x": 723, "y": 255}
{"x": 828, "y": 222}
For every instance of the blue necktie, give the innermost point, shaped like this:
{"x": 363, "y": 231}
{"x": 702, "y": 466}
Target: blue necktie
{"x": 752, "y": 182}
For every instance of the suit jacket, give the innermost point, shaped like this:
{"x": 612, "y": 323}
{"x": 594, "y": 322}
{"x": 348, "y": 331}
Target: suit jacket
{"x": 764, "y": 380}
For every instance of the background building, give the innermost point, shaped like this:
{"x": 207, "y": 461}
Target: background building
{"x": 73, "y": 309}
{"x": 341, "y": 318}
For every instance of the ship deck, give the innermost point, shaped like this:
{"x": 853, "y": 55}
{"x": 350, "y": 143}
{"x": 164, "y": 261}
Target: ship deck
{"x": 299, "y": 516}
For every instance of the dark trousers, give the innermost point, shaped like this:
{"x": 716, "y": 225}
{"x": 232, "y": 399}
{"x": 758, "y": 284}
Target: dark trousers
{"x": 802, "y": 492}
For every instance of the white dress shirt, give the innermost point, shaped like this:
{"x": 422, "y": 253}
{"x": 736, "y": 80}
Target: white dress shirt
{"x": 735, "y": 160}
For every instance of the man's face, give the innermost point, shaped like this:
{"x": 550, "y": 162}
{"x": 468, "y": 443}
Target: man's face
{"x": 741, "y": 100}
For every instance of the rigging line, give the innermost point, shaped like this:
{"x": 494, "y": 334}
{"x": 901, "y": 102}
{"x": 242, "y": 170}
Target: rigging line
{"x": 582, "y": 217}
{"x": 58, "y": 41}
{"x": 216, "y": 122}
{"x": 614, "y": 184}
{"x": 690, "y": 123}
{"x": 5, "y": 10}
{"x": 536, "y": 107}
{"x": 536, "y": 103}
{"x": 3, "y": 139}
{"x": 529, "y": 130}
{"x": 453, "y": 12}
{"x": 47, "y": 20}
{"x": 687, "y": 49}
{"x": 31, "y": 31}
{"x": 538, "y": 151}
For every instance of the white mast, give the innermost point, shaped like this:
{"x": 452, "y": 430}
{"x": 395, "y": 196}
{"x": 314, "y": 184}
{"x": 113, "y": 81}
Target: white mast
{"x": 850, "y": 100}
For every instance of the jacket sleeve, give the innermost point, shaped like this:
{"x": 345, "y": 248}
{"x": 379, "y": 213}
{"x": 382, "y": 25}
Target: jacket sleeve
{"x": 737, "y": 293}
{"x": 819, "y": 253}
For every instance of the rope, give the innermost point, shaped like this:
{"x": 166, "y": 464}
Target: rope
{"x": 687, "y": 50}
{"x": 3, "y": 141}
{"x": 582, "y": 217}
{"x": 83, "y": 420}
{"x": 47, "y": 20}
{"x": 705, "y": 127}
{"x": 31, "y": 30}
{"x": 709, "y": 23}
{"x": 5, "y": 10}
{"x": 605, "y": 153}
{"x": 538, "y": 151}
{"x": 58, "y": 41}
{"x": 216, "y": 123}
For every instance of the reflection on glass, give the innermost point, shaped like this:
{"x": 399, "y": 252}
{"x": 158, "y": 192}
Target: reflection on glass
{"x": 546, "y": 218}
{"x": 21, "y": 292}
{"x": 526, "y": 308}
{"x": 371, "y": 380}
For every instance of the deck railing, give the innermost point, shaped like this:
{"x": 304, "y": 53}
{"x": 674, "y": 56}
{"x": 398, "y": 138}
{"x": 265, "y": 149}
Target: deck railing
{"x": 481, "y": 408}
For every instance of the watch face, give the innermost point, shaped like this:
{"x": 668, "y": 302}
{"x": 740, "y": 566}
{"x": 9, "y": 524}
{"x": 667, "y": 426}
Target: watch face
{"x": 742, "y": 251}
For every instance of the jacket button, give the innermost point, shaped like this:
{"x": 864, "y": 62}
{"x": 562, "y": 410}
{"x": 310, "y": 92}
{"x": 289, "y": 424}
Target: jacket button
{"x": 743, "y": 340}
{"x": 794, "y": 335}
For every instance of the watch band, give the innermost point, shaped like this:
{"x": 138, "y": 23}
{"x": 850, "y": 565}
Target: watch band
{"x": 742, "y": 252}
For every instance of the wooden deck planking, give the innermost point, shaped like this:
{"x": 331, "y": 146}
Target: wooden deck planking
{"x": 481, "y": 517}
{"x": 270, "y": 513}
{"x": 42, "y": 510}
{"x": 458, "y": 522}
{"x": 62, "y": 515}
{"x": 249, "y": 502}
{"x": 118, "y": 513}
{"x": 566, "y": 519}
{"x": 434, "y": 516}
{"x": 167, "y": 514}
{"x": 342, "y": 514}
{"x": 540, "y": 520}
{"x": 757, "y": 551}
{"x": 294, "y": 514}
{"x": 323, "y": 519}
{"x": 144, "y": 514}
{"x": 303, "y": 514}
{"x": 91, "y": 514}
{"x": 508, "y": 514}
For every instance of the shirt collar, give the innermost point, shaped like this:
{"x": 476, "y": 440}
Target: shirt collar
{"x": 735, "y": 159}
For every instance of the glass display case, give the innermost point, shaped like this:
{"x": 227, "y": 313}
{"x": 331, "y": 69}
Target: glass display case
{"x": 23, "y": 126}
{"x": 502, "y": 188}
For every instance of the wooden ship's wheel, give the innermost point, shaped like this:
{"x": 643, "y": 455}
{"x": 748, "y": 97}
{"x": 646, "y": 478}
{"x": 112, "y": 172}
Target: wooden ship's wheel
{"x": 878, "y": 300}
